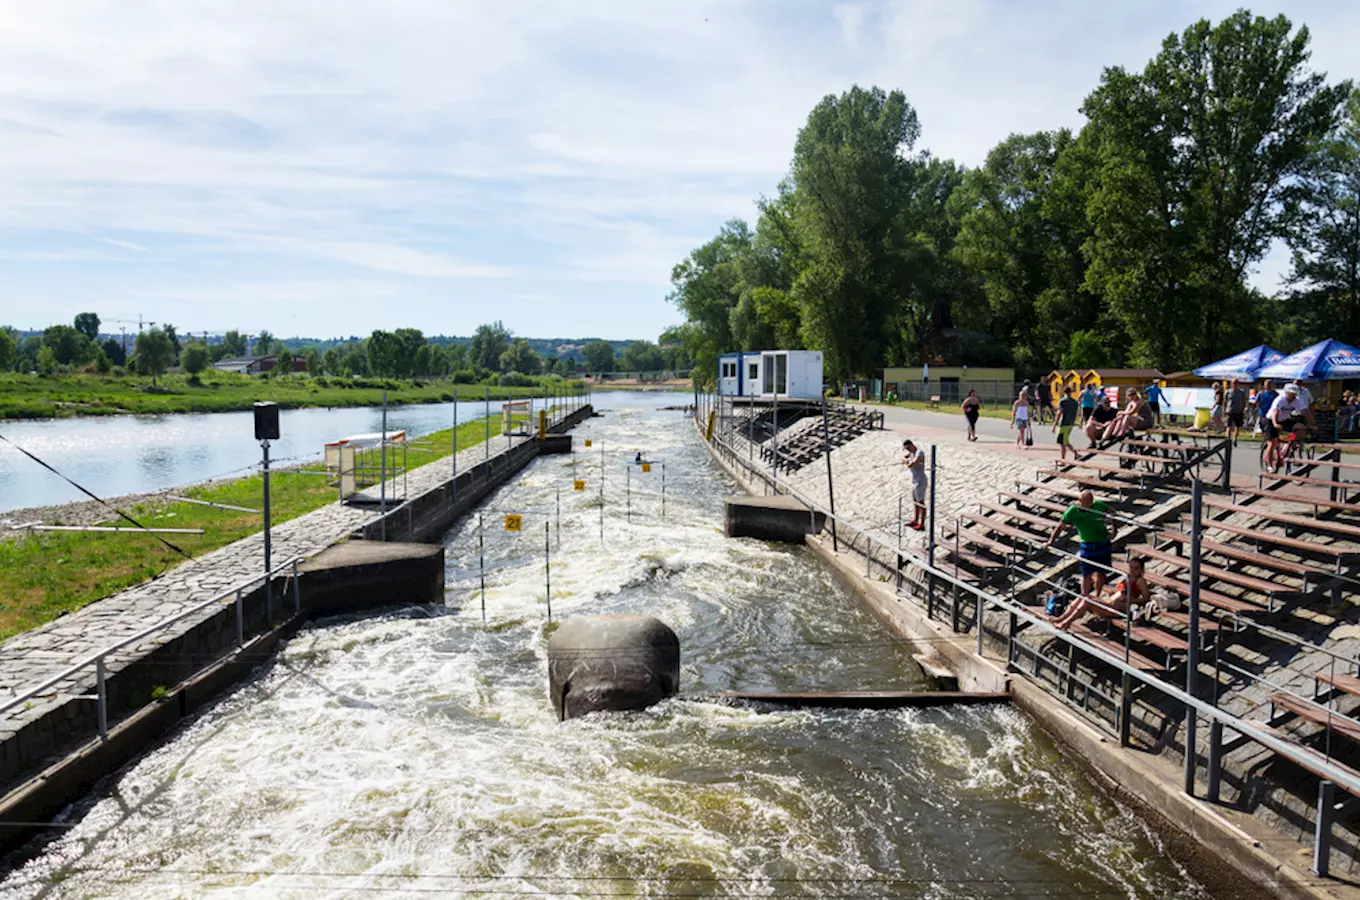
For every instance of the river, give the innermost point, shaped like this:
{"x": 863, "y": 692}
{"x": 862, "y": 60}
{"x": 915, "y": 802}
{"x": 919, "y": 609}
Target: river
{"x": 414, "y": 752}
{"x": 114, "y": 455}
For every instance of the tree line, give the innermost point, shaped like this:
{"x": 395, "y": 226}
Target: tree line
{"x": 404, "y": 353}
{"x": 1128, "y": 243}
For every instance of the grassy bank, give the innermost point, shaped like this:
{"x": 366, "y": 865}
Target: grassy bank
{"x": 46, "y": 574}
{"x": 39, "y": 397}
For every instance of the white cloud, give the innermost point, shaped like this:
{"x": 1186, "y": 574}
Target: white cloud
{"x": 549, "y": 162}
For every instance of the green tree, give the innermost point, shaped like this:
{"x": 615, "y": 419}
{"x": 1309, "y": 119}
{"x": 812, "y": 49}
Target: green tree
{"x": 87, "y": 323}
{"x": 47, "y": 360}
{"x": 113, "y": 349}
{"x": 431, "y": 360}
{"x": 194, "y": 358}
{"x": 154, "y": 353}
{"x": 642, "y": 356}
{"x": 102, "y": 365}
{"x": 599, "y": 356}
{"x": 852, "y": 179}
{"x": 489, "y": 342}
{"x": 175, "y": 344}
{"x": 9, "y": 350}
{"x": 457, "y": 356}
{"x": 284, "y": 364}
{"x": 70, "y": 347}
{"x": 706, "y": 286}
{"x": 330, "y": 362}
{"x": 234, "y": 344}
{"x": 1087, "y": 350}
{"x": 264, "y": 343}
{"x": 27, "y": 357}
{"x": 1325, "y": 238}
{"x": 520, "y": 357}
{"x": 1193, "y": 159}
{"x": 312, "y": 359}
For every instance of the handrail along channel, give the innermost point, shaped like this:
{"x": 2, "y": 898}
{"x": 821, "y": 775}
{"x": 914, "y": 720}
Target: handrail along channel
{"x": 97, "y": 658}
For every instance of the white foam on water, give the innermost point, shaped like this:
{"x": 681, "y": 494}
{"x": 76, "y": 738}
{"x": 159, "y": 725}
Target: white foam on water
{"x": 414, "y": 752}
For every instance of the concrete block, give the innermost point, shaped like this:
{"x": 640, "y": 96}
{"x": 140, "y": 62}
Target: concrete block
{"x": 611, "y": 663}
{"x": 777, "y": 518}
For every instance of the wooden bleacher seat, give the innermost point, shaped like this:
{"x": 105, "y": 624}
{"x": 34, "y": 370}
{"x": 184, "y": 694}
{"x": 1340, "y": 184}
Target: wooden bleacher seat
{"x": 1251, "y": 583}
{"x": 1348, "y": 684}
{"x": 1317, "y": 713}
{"x": 1165, "y": 641}
{"x": 1136, "y": 457}
{"x": 1316, "y": 502}
{"x": 1207, "y": 597}
{"x": 1136, "y": 659}
{"x": 1012, "y": 512}
{"x": 1350, "y": 531}
{"x": 1093, "y": 483}
{"x": 1094, "y": 467}
{"x": 991, "y": 523}
{"x": 1031, "y": 500}
{"x": 1186, "y": 432}
{"x": 1247, "y": 555}
{"x": 1336, "y": 553}
{"x": 1340, "y": 448}
{"x": 967, "y": 536}
{"x": 1164, "y": 446}
{"x": 976, "y": 560}
{"x": 1177, "y": 617}
{"x": 1310, "y": 480}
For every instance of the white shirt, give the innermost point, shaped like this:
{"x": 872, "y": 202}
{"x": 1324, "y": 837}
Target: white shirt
{"x": 1306, "y": 396}
{"x": 1284, "y": 407}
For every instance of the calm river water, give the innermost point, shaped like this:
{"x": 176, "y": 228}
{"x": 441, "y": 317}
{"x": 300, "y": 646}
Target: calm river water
{"x": 415, "y": 753}
{"x": 133, "y": 454}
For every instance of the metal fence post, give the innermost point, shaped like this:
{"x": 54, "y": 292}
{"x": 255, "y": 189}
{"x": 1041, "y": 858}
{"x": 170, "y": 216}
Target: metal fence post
{"x": 454, "y": 455}
{"x": 481, "y": 559}
{"x": 487, "y": 411}
{"x": 1322, "y": 832}
{"x": 547, "y": 568}
{"x": 663, "y": 490}
{"x": 899, "y": 543}
{"x": 382, "y": 478}
{"x": 102, "y": 693}
{"x": 297, "y": 589}
{"x": 559, "y": 517}
{"x": 830, "y": 489}
{"x": 977, "y": 623}
{"x": 930, "y": 539}
{"x": 628, "y": 491}
{"x": 1192, "y": 650}
{"x": 1215, "y": 760}
{"x": 240, "y": 621}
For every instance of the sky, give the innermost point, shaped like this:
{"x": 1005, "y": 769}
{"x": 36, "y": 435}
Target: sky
{"x": 328, "y": 168}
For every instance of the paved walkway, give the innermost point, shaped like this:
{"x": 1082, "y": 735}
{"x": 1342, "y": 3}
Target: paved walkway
{"x": 29, "y": 659}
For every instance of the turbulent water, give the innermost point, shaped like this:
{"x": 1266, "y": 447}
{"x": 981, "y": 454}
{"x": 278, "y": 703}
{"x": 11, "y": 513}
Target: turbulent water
{"x": 415, "y": 753}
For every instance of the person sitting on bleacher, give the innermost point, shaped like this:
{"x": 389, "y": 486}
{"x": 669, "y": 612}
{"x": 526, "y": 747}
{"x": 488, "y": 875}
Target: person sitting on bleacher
{"x": 1114, "y": 601}
{"x": 1137, "y": 416}
{"x": 1287, "y": 413}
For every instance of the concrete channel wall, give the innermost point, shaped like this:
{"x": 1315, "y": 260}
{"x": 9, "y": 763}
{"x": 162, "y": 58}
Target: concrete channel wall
{"x": 1220, "y": 846}
{"x": 56, "y": 755}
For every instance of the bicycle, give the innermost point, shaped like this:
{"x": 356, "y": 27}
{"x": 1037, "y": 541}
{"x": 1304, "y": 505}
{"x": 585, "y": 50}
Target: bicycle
{"x": 1293, "y": 449}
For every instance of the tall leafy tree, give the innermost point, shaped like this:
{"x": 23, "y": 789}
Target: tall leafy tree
{"x": 1193, "y": 158}
{"x": 706, "y": 286}
{"x": 642, "y": 356}
{"x": 487, "y": 345}
{"x": 264, "y": 343}
{"x": 1326, "y": 237}
{"x": 69, "y": 347}
{"x": 194, "y": 358}
{"x": 519, "y": 357}
{"x": 599, "y": 356}
{"x": 234, "y": 343}
{"x": 9, "y": 349}
{"x": 852, "y": 177}
{"x": 154, "y": 353}
{"x": 87, "y": 323}
{"x": 113, "y": 349}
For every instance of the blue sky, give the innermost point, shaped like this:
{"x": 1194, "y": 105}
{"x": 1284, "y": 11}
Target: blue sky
{"x": 328, "y": 168}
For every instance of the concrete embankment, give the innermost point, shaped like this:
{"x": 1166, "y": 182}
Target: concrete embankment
{"x": 50, "y": 749}
{"x": 1225, "y": 848}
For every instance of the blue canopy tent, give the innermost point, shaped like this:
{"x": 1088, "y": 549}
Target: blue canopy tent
{"x": 1243, "y": 366}
{"x": 1324, "y": 361}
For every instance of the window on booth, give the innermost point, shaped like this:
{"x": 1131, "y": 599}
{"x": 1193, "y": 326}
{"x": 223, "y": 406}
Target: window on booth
{"x": 781, "y": 373}
{"x": 753, "y": 371}
{"x": 767, "y": 366}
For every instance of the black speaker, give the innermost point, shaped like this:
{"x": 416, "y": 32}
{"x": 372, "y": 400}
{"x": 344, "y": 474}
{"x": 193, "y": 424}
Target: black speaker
{"x": 266, "y": 421}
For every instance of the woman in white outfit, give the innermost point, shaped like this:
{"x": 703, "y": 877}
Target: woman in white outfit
{"x": 1020, "y": 419}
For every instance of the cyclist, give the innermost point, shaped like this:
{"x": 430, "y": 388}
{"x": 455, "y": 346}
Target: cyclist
{"x": 1286, "y": 414}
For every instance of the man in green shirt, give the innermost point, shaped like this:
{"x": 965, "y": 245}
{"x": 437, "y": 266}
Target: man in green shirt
{"x": 1066, "y": 421}
{"x": 1095, "y": 530}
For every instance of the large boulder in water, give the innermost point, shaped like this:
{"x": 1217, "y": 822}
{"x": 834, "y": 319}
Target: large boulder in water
{"x": 611, "y": 663}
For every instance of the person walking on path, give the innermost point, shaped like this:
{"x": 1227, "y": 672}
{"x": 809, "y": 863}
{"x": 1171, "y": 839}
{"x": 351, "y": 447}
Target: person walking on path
{"x": 1020, "y": 419}
{"x": 1216, "y": 413}
{"x": 971, "y": 407}
{"x": 1265, "y": 399}
{"x": 1045, "y": 401}
{"x": 915, "y": 461}
{"x": 1237, "y": 410}
{"x": 1065, "y": 421}
{"x": 1089, "y": 396}
{"x": 1095, "y": 531}
{"x": 1154, "y": 396}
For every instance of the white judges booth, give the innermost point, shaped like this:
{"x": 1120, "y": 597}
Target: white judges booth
{"x": 766, "y": 374}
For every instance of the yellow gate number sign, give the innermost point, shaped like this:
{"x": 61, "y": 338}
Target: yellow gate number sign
{"x": 578, "y": 485}
{"x": 646, "y": 467}
{"x": 513, "y": 522}
{"x": 587, "y": 443}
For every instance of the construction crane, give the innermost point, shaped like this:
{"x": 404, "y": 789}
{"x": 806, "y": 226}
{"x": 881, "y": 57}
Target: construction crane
{"x": 123, "y": 323}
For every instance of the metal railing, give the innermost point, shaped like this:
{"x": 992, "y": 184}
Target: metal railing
{"x": 1331, "y": 774}
{"x": 234, "y": 594}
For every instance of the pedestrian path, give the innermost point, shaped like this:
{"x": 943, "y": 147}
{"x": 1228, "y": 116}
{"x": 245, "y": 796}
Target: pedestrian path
{"x": 29, "y": 659}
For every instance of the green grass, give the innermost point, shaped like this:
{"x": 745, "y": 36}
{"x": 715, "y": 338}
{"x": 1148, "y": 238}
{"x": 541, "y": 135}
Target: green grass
{"x": 46, "y": 574}
{"x": 37, "y": 396}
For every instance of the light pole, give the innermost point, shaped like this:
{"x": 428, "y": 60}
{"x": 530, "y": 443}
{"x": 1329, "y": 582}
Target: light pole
{"x": 266, "y": 430}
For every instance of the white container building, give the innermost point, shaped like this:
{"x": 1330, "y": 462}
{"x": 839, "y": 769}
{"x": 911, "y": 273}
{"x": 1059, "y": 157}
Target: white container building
{"x": 765, "y": 374}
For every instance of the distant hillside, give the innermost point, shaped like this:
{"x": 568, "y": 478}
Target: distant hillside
{"x": 542, "y": 346}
